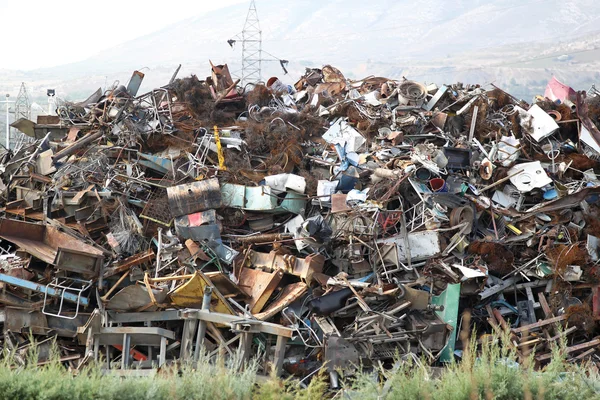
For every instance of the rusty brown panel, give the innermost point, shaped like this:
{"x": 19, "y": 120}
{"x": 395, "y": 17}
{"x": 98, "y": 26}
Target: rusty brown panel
{"x": 191, "y": 198}
{"x": 259, "y": 285}
{"x": 77, "y": 261}
{"x": 226, "y": 286}
{"x": 18, "y": 229}
{"x": 289, "y": 294}
{"x": 44, "y": 243}
{"x": 303, "y": 268}
{"x": 56, "y": 239}
{"x": 48, "y": 119}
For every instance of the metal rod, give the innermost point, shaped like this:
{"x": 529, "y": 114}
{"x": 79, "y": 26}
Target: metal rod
{"x": 202, "y": 324}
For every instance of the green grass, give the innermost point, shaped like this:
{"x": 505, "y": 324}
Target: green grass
{"x": 485, "y": 372}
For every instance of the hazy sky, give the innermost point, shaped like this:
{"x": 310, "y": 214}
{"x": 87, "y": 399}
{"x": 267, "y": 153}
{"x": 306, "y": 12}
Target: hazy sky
{"x": 45, "y": 33}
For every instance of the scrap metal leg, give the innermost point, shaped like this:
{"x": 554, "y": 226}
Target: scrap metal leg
{"x": 187, "y": 338}
{"x": 126, "y": 350}
{"x": 200, "y": 339}
{"x": 245, "y": 344}
{"x": 162, "y": 357}
{"x": 279, "y": 355}
{"x": 334, "y": 379}
{"x": 202, "y": 324}
{"x": 96, "y": 347}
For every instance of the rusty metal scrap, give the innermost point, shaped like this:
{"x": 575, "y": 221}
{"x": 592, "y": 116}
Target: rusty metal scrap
{"x": 358, "y": 218}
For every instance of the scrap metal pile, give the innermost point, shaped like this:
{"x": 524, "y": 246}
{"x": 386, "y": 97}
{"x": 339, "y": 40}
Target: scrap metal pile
{"x": 333, "y": 222}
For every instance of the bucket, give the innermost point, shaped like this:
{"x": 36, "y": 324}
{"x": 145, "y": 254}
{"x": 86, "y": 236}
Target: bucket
{"x": 276, "y": 85}
{"x": 423, "y": 174}
{"x": 438, "y": 185}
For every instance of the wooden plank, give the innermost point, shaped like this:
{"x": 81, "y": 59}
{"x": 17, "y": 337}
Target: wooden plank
{"x": 219, "y": 336}
{"x": 529, "y": 343}
{"x": 545, "y": 306}
{"x": 564, "y": 333}
{"x": 571, "y": 349}
{"x": 539, "y": 324}
{"x": 585, "y": 354}
{"x": 501, "y": 319}
{"x": 490, "y": 312}
{"x": 226, "y": 346}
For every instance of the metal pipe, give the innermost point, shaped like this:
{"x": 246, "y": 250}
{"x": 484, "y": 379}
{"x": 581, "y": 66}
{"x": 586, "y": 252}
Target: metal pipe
{"x": 202, "y": 324}
{"x": 77, "y": 145}
{"x": 158, "y": 251}
{"x": 36, "y": 287}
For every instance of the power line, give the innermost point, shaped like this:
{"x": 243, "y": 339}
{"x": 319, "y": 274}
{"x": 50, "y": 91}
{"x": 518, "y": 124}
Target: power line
{"x": 252, "y": 51}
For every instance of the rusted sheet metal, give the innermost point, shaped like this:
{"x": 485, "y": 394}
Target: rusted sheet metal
{"x": 25, "y": 320}
{"x": 129, "y": 262}
{"x": 221, "y": 77}
{"x": 288, "y": 295}
{"x": 134, "y": 297}
{"x": 259, "y": 286}
{"x": 304, "y": 268}
{"x": 52, "y": 246}
{"x": 78, "y": 261}
{"x": 48, "y": 119}
{"x": 224, "y": 285}
{"x": 14, "y": 299}
{"x": 569, "y": 201}
{"x": 191, "y": 198}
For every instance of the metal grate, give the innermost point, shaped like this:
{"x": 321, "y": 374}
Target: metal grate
{"x": 157, "y": 208}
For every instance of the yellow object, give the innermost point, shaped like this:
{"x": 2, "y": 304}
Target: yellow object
{"x": 514, "y": 229}
{"x": 190, "y": 294}
{"x": 222, "y": 166}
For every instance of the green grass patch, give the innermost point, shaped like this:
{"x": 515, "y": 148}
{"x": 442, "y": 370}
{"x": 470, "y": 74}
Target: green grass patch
{"x": 489, "y": 371}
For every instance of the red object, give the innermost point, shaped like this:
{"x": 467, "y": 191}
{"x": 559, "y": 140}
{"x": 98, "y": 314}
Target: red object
{"x": 596, "y": 302}
{"x": 137, "y": 356}
{"x": 557, "y": 90}
{"x": 437, "y": 184}
{"x": 389, "y": 219}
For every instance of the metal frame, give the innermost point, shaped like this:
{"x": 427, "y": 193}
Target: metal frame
{"x": 251, "y": 47}
{"x": 65, "y": 287}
